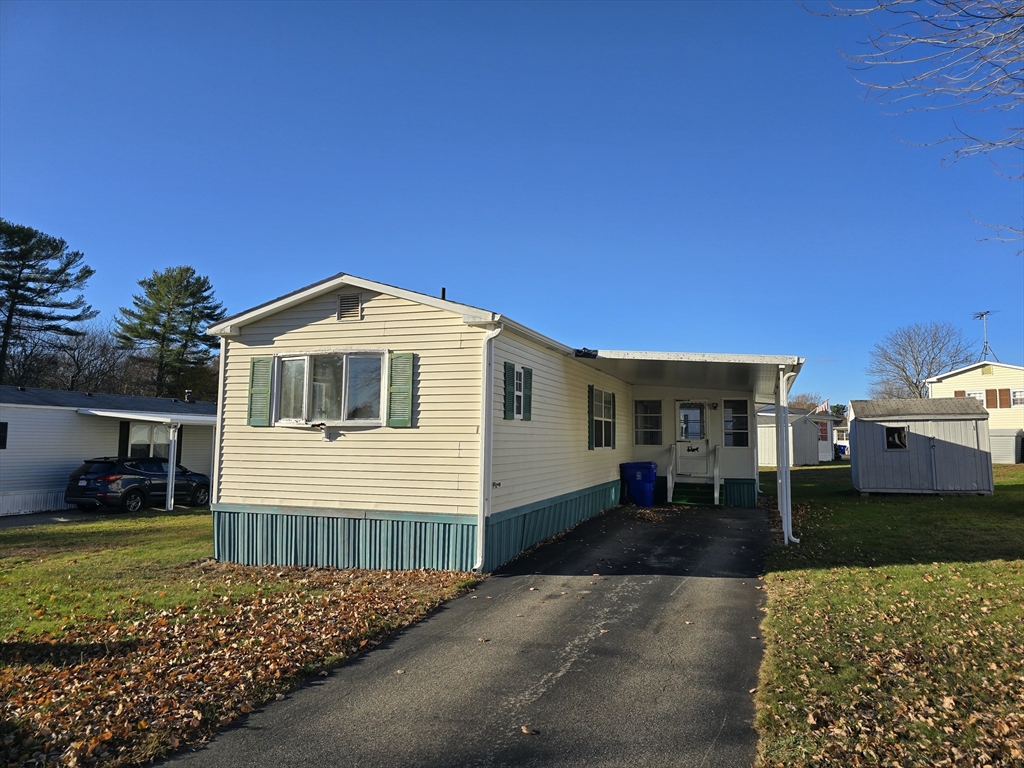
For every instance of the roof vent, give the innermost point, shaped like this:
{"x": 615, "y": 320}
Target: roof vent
{"x": 350, "y": 306}
{"x": 188, "y": 396}
{"x": 21, "y": 389}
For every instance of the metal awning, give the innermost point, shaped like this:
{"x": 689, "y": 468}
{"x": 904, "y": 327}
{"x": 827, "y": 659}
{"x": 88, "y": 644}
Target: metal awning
{"x": 173, "y": 420}
{"x": 696, "y": 370}
{"x": 187, "y": 419}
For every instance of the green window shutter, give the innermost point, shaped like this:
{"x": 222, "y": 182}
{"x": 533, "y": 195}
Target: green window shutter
{"x": 527, "y": 394}
{"x": 613, "y": 420}
{"x": 510, "y": 390}
{"x": 259, "y": 391}
{"x": 590, "y": 417}
{"x": 400, "y": 379}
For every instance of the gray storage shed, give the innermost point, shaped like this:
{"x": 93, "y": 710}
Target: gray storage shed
{"x": 920, "y": 446}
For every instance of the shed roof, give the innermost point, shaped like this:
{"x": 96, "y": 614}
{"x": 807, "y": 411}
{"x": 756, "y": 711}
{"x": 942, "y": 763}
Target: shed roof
{"x": 115, "y": 406}
{"x": 918, "y": 408}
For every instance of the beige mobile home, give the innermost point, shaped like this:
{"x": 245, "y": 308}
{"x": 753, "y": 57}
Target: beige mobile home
{"x": 1000, "y": 388}
{"x": 920, "y": 446}
{"x": 364, "y": 425}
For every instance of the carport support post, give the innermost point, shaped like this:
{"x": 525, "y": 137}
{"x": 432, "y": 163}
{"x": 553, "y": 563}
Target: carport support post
{"x": 172, "y": 453}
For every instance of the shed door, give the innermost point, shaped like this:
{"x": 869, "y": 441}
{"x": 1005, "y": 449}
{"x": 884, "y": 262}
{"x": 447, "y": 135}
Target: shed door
{"x": 691, "y": 438}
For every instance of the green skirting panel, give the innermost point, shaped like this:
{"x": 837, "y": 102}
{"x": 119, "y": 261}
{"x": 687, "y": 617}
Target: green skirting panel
{"x": 515, "y": 530}
{"x": 251, "y": 536}
{"x": 740, "y": 493}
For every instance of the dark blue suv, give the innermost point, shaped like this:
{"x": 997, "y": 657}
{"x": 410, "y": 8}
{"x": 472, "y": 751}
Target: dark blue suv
{"x": 132, "y": 484}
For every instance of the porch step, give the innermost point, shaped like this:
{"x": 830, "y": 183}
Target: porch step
{"x": 697, "y": 494}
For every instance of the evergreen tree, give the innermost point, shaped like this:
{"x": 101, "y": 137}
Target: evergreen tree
{"x": 168, "y": 324}
{"x": 36, "y": 271}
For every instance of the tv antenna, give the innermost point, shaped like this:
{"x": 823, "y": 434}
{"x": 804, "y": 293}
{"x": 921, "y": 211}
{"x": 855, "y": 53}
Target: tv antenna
{"x": 986, "y": 350}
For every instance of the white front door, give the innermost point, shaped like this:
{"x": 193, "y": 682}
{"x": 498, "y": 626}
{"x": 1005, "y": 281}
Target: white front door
{"x": 691, "y": 438}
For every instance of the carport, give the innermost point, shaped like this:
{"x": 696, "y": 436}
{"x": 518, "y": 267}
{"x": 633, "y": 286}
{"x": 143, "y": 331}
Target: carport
{"x": 173, "y": 422}
{"x": 711, "y": 400}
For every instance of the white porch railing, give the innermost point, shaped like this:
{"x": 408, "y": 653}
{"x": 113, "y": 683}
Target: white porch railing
{"x": 670, "y": 476}
{"x": 717, "y": 472}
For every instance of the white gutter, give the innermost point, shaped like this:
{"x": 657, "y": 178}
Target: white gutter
{"x": 486, "y": 443}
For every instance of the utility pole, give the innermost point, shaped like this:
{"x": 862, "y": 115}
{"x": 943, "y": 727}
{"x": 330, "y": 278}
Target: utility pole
{"x": 986, "y": 350}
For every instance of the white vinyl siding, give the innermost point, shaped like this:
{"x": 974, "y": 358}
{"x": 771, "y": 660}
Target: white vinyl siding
{"x": 547, "y": 456}
{"x": 431, "y": 467}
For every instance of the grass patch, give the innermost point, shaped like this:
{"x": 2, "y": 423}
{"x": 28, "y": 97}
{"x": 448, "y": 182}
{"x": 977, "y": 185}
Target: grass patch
{"x": 121, "y": 639}
{"x": 895, "y": 629}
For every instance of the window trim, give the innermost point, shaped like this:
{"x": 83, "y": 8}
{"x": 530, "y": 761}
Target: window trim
{"x": 307, "y": 358}
{"x": 906, "y": 436}
{"x": 1016, "y": 398}
{"x": 637, "y": 430}
{"x": 747, "y": 415}
{"x": 608, "y": 436}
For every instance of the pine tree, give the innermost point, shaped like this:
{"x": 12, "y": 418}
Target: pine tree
{"x": 36, "y": 271}
{"x": 168, "y": 323}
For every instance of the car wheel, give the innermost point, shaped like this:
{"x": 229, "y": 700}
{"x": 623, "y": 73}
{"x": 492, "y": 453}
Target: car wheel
{"x": 201, "y": 496}
{"x": 133, "y": 501}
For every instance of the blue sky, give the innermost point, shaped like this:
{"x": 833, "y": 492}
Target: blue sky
{"x": 667, "y": 176}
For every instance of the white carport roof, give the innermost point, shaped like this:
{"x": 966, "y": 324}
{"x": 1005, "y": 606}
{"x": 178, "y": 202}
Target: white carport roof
{"x": 696, "y": 370}
{"x": 187, "y": 419}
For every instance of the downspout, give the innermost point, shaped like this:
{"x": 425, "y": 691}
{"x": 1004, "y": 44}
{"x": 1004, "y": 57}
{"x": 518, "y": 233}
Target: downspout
{"x": 782, "y": 463}
{"x": 221, "y": 386}
{"x": 486, "y": 443}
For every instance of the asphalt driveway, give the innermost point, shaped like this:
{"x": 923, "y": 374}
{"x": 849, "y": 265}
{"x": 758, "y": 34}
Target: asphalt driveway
{"x": 649, "y": 663}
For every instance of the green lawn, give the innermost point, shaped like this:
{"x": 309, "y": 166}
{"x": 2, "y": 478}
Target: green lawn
{"x": 895, "y": 629}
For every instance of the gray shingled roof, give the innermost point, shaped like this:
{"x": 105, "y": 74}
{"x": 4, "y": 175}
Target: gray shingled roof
{"x": 55, "y": 397}
{"x": 936, "y": 408}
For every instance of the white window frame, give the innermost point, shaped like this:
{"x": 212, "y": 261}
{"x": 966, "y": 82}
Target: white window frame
{"x": 307, "y": 358}
{"x": 748, "y": 415}
{"x": 1016, "y": 398}
{"x": 607, "y": 422}
{"x": 518, "y": 393}
{"x": 978, "y": 394}
{"x": 638, "y": 430}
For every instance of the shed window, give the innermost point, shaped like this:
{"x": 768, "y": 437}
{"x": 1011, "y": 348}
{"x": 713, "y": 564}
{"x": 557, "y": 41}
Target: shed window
{"x": 647, "y": 422}
{"x": 737, "y": 428}
{"x": 336, "y": 388}
{"x": 895, "y": 438}
{"x": 1016, "y": 398}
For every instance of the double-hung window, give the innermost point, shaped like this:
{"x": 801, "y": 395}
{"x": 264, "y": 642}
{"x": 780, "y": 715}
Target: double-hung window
{"x": 647, "y": 422}
{"x": 737, "y": 425}
{"x": 602, "y": 410}
{"x": 1016, "y": 398}
{"x": 331, "y": 388}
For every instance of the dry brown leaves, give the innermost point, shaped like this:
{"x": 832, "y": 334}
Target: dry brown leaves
{"x": 115, "y": 694}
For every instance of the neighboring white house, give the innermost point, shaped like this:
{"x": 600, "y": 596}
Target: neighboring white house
{"x": 45, "y": 434}
{"x": 1000, "y": 388}
{"x": 920, "y": 446}
{"x": 364, "y": 425}
{"x": 811, "y": 437}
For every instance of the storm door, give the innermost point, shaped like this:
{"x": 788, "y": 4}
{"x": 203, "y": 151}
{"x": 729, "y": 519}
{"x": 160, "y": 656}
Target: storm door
{"x": 691, "y": 438}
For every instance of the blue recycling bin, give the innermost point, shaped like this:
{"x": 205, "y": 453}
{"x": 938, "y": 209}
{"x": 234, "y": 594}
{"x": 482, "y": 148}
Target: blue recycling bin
{"x": 639, "y": 477}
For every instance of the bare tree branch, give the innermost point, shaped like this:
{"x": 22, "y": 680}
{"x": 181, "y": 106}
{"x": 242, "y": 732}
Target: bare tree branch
{"x": 908, "y": 356}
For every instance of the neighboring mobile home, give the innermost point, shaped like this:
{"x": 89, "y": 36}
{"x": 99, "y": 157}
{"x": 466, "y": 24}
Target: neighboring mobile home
{"x": 1000, "y": 388}
{"x": 45, "y": 434}
{"x": 920, "y": 446}
{"x": 364, "y": 425}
